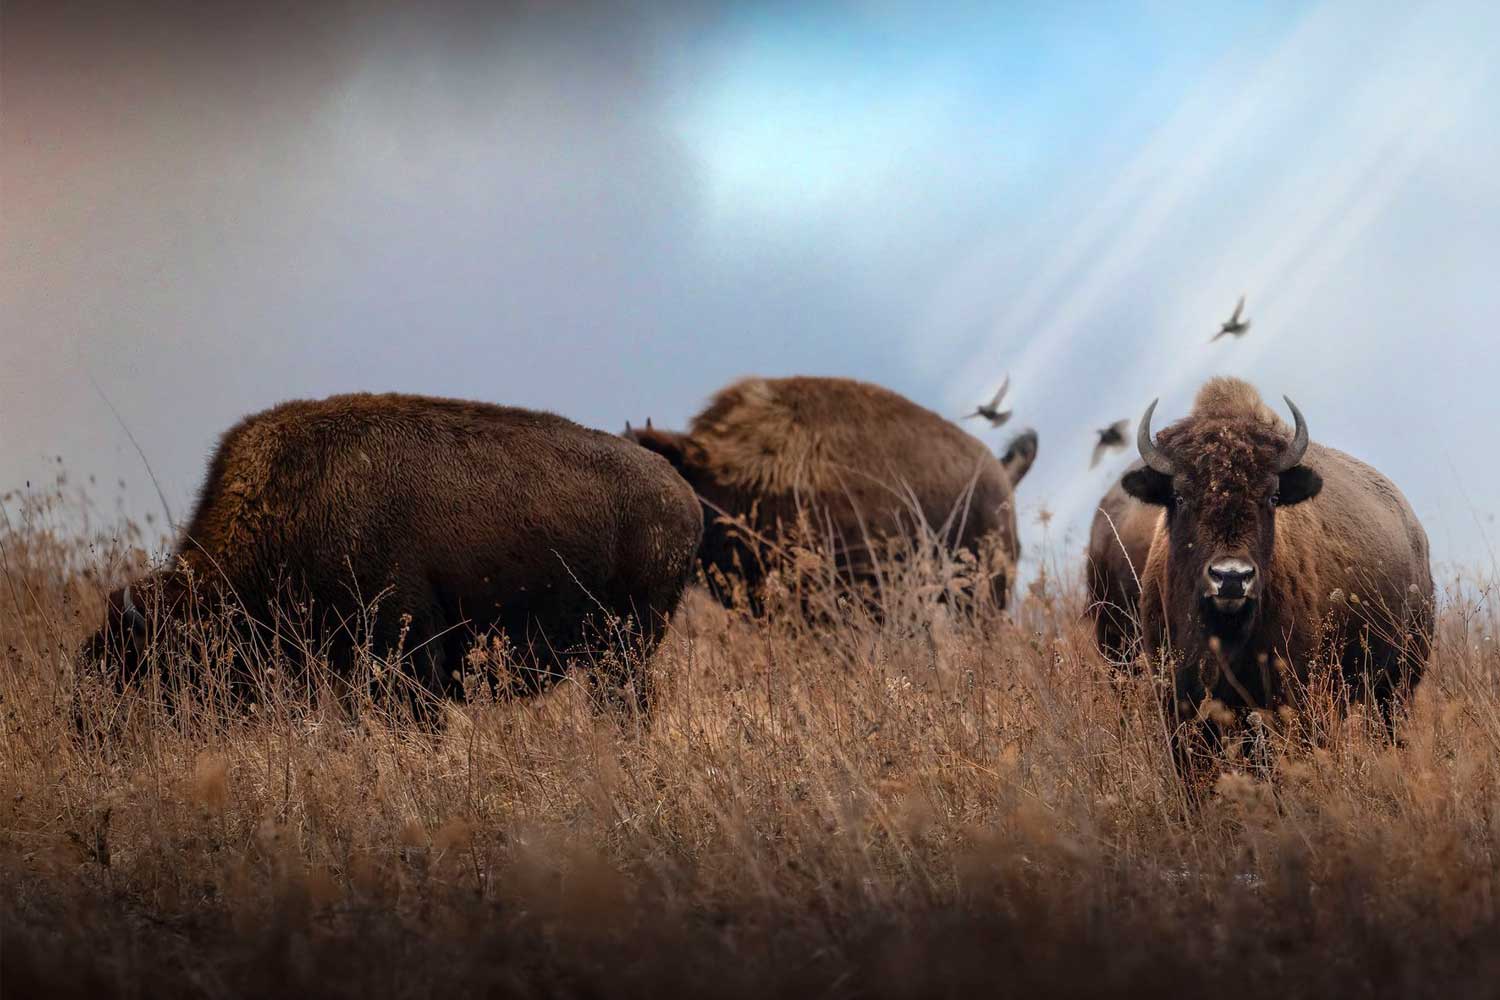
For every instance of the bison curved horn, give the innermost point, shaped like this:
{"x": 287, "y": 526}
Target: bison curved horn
{"x": 1155, "y": 460}
{"x": 1294, "y": 451}
{"x": 130, "y": 613}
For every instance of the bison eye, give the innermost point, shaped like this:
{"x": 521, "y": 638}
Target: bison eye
{"x": 1274, "y": 499}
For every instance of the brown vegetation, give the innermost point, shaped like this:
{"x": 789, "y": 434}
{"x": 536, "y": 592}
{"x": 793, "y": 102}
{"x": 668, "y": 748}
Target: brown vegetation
{"x": 907, "y": 803}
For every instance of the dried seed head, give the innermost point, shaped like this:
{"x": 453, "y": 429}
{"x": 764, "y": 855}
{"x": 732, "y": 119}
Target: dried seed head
{"x": 210, "y": 785}
{"x": 413, "y": 834}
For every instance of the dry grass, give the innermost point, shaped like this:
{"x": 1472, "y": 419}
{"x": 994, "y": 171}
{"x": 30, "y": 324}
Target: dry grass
{"x": 917, "y": 805}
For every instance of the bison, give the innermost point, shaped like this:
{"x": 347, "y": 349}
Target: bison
{"x": 1119, "y": 539}
{"x": 858, "y": 463}
{"x": 1273, "y": 551}
{"x": 413, "y": 523}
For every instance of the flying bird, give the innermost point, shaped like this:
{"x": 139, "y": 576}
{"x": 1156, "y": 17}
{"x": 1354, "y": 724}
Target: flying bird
{"x": 1111, "y": 438}
{"x": 1234, "y": 324}
{"x": 991, "y": 411}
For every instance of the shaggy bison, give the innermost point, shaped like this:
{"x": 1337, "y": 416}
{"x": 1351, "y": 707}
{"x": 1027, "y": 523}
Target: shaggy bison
{"x": 414, "y": 523}
{"x": 1119, "y": 539}
{"x": 856, "y": 463}
{"x": 1273, "y": 551}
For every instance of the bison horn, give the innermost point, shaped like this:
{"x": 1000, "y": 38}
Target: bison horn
{"x": 1153, "y": 457}
{"x": 131, "y": 614}
{"x": 1298, "y": 447}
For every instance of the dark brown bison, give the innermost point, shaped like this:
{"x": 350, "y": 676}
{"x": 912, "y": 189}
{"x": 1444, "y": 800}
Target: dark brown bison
{"x": 1274, "y": 551}
{"x": 1119, "y": 539}
{"x": 451, "y": 519}
{"x": 859, "y": 464}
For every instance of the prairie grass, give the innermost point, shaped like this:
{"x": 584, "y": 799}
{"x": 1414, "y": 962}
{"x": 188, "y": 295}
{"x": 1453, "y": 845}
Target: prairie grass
{"x": 887, "y": 801}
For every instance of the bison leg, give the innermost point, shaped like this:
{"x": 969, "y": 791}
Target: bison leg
{"x": 619, "y": 676}
{"x": 1115, "y": 634}
{"x": 1196, "y": 741}
{"x": 410, "y": 634}
{"x": 1192, "y": 746}
{"x": 1388, "y": 682}
{"x": 631, "y": 640}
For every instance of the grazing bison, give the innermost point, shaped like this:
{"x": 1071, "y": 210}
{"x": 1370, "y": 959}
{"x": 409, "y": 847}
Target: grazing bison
{"x": 1273, "y": 551}
{"x": 452, "y": 519}
{"x": 859, "y": 463}
{"x": 1119, "y": 539}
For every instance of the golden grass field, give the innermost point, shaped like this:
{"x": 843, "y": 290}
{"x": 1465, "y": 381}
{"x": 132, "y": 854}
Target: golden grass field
{"x": 917, "y": 805}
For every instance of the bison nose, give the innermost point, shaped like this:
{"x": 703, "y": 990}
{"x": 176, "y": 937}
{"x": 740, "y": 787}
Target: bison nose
{"x": 1230, "y": 578}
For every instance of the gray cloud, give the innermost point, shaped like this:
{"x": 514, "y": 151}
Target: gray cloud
{"x": 609, "y": 213}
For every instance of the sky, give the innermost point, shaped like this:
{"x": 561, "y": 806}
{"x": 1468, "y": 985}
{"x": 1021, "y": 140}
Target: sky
{"x": 611, "y": 211}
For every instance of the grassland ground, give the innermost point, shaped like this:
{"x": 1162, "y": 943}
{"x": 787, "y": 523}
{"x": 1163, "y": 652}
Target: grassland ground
{"x": 914, "y": 803}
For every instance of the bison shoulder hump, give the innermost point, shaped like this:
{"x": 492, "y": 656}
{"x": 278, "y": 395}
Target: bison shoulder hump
{"x": 804, "y": 434}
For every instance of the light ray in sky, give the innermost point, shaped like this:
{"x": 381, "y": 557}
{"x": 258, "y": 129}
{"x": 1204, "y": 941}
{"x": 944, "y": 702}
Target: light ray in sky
{"x": 610, "y": 214}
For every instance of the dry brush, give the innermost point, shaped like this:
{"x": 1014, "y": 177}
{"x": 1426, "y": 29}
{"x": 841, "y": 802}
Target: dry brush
{"x": 887, "y": 799}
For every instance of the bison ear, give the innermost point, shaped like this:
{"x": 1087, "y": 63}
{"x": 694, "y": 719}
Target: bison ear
{"x": 672, "y": 447}
{"x": 1019, "y": 455}
{"x": 1148, "y": 486}
{"x": 1298, "y": 483}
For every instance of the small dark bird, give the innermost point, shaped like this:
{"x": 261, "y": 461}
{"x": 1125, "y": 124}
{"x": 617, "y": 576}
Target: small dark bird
{"x": 1111, "y": 438}
{"x": 1234, "y": 324}
{"x": 991, "y": 411}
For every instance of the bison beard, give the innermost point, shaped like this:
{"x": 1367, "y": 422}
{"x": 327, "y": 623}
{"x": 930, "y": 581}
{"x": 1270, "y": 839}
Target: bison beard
{"x": 1240, "y": 582}
{"x": 413, "y": 524}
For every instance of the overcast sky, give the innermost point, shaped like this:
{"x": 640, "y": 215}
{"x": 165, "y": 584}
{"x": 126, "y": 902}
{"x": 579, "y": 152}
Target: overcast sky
{"x": 611, "y": 213}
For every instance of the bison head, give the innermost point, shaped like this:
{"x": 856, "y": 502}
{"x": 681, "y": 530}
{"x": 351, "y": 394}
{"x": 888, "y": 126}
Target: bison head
{"x": 118, "y": 645}
{"x": 1019, "y": 455}
{"x": 676, "y": 447}
{"x": 726, "y": 552}
{"x": 1221, "y": 479}
{"x": 133, "y": 619}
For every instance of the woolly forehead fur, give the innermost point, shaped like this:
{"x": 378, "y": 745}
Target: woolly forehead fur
{"x": 1226, "y": 398}
{"x": 804, "y": 434}
{"x": 1227, "y": 449}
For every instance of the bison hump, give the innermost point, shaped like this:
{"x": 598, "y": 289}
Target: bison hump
{"x": 1227, "y": 398}
{"x": 754, "y": 437}
{"x": 806, "y": 434}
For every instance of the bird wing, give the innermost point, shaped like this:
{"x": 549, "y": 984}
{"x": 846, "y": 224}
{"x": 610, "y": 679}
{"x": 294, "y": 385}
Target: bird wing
{"x": 1000, "y": 393}
{"x": 1239, "y": 307}
{"x": 1099, "y": 450}
{"x": 971, "y": 416}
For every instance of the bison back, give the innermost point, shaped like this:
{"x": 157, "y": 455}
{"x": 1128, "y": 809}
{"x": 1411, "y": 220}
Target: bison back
{"x": 868, "y": 459}
{"x": 460, "y": 515}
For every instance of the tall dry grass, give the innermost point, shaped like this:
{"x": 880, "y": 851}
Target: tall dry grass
{"x": 910, "y": 802}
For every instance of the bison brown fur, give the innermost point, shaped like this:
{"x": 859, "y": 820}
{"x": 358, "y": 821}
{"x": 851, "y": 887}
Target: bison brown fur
{"x": 1274, "y": 551}
{"x": 858, "y": 462}
{"x": 1119, "y": 540}
{"x": 450, "y": 519}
